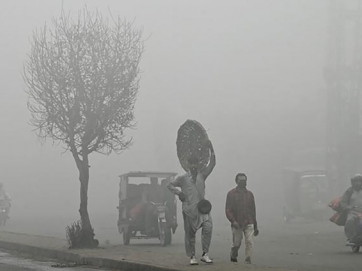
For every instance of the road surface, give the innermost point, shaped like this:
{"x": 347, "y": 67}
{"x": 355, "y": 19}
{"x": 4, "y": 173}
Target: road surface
{"x": 302, "y": 245}
{"x": 9, "y": 262}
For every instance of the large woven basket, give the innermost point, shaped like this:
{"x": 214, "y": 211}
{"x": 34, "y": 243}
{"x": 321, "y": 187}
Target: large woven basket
{"x": 192, "y": 141}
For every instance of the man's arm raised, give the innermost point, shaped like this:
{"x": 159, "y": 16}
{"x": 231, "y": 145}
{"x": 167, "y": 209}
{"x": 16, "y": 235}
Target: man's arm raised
{"x": 209, "y": 168}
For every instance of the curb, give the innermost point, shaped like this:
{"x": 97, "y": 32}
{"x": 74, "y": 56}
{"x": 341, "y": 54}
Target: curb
{"x": 74, "y": 257}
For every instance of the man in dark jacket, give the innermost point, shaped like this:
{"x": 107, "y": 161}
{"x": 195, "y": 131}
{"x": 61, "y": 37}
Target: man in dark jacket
{"x": 352, "y": 203}
{"x": 241, "y": 212}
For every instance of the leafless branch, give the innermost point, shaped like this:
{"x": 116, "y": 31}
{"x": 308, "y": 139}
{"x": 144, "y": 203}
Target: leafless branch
{"x": 83, "y": 79}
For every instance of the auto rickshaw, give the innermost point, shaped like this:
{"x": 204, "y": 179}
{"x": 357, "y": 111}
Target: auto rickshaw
{"x": 131, "y": 221}
{"x": 306, "y": 193}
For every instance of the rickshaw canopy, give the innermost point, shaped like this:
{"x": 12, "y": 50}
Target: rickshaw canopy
{"x": 148, "y": 174}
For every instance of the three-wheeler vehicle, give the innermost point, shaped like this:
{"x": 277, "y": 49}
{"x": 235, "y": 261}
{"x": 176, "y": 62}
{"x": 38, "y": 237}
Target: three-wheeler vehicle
{"x": 132, "y": 208}
{"x": 307, "y": 193}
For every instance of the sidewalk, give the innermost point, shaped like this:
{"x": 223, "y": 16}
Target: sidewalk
{"x": 125, "y": 258}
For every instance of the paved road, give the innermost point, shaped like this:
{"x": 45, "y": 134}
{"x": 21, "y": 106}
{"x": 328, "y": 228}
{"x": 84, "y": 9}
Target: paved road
{"x": 10, "y": 262}
{"x": 302, "y": 245}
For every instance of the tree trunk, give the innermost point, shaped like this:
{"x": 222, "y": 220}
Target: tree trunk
{"x": 87, "y": 238}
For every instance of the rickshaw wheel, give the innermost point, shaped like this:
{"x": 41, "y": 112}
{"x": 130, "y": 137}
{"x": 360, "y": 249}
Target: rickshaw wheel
{"x": 168, "y": 236}
{"x": 165, "y": 234}
{"x": 127, "y": 236}
{"x": 162, "y": 234}
{"x": 355, "y": 249}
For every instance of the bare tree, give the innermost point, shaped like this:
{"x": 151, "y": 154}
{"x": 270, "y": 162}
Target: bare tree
{"x": 83, "y": 79}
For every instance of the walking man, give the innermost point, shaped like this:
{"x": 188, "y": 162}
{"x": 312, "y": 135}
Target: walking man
{"x": 192, "y": 186}
{"x": 241, "y": 212}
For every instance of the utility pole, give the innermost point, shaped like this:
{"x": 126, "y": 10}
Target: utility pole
{"x": 343, "y": 77}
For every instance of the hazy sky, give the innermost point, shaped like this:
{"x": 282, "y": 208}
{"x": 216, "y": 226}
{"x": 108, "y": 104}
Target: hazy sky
{"x": 249, "y": 71}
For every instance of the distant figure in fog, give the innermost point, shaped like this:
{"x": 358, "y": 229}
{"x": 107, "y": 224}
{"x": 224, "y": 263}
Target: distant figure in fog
{"x": 352, "y": 203}
{"x": 241, "y": 212}
{"x": 192, "y": 186}
{"x": 5, "y": 199}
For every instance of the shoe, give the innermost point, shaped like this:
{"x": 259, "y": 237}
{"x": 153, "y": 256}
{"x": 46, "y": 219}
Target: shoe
{"x": 193, "y": 261}
{"x": 350, "y": 243}
{"x": 206, "y": 259}
{"x": 247, "y": 260}
{"x": 234, "y": 260}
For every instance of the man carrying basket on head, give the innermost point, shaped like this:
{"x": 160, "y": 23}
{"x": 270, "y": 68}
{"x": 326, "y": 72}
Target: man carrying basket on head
{"x": 195, "y": 209}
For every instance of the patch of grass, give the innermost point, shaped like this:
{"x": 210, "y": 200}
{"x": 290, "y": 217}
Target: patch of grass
{"x": 78, "y": 237}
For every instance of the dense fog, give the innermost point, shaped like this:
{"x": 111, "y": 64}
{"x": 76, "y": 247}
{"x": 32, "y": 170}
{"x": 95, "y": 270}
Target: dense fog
{"x": 251, "y": 72}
